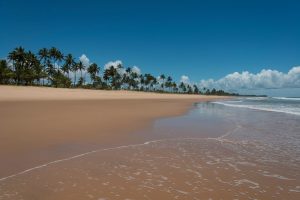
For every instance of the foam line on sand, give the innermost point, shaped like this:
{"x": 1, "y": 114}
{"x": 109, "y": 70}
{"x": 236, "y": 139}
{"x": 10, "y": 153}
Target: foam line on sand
{"x": 220, "y": 139}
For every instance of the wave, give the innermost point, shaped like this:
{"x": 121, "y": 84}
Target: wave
{"x": 256, "y": 98}
{"x": 287, "y": 98}
{"x": 257, "y": 107}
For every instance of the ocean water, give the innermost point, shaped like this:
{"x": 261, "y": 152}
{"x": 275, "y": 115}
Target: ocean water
{"x": 244, "y": 148}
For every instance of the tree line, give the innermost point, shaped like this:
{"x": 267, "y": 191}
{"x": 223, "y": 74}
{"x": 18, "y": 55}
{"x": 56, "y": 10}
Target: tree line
{"x": 50, "y": 67}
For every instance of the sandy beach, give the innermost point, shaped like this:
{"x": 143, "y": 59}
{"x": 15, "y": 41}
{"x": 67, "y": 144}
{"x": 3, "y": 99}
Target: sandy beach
{"x": 90, "y": 144}
{"x": 39, "y": 125}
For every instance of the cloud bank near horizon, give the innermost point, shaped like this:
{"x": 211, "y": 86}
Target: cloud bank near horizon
{"x": 265, "y": 79}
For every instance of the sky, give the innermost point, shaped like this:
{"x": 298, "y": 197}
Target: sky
{"x": 201, "y": 40}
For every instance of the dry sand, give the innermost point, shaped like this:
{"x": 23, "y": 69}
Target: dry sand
{"x": 14, "y": 93}
{"x": 39, "y": 125}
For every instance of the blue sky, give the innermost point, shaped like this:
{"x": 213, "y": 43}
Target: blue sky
{"x": 200, "y": 39}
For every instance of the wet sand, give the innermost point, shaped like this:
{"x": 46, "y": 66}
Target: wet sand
{"x": 166, "y": 169}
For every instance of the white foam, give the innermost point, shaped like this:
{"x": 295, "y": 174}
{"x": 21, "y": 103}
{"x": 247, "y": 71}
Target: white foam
{"x": 252, "y": 184}
{"x": 91, "y": 152}
{"x": 74, "y": 157}
{"x": 277, "y": 176}
{"x": 257, "y": 107}
{"x": 287, "y": 98}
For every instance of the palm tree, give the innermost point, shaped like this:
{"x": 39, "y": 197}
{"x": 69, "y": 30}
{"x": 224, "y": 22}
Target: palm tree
{"x": 93, "y": 70}
{"x": 69, "y": 63}
{"x": 106, "y": 75}
{"x": 169, "y": 82}
{"x": 182, "y": 87}
{"x": 162, "y": 77}
{"x": 59, "y": 58}
{"x": 44, "y": 56}
{"x": 189, "y": 88}
{"x": 196, "y": 89}
{"x": 52, "y": 55}
{"x": 74, "y": 69}
{"x": 17, "y": 56}
{"x": 50, "y": 70}
{"x": 149, "y": 81}
{"x": 32, "y": 69}
{"x": 81, "y": 67}
{"x": 56, "y": 55}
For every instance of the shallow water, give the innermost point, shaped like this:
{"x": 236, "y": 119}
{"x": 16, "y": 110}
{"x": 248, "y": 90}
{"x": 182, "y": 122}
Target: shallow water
{"x": 213, "y": 152}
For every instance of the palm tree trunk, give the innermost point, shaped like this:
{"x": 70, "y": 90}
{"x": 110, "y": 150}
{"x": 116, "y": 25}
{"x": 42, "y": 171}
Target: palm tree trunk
{"x": 81, "y": 77}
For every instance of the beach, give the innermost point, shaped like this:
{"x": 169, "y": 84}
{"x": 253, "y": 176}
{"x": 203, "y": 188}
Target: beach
{"x": 39, "y": 125}
{"x": 133, "y": 145}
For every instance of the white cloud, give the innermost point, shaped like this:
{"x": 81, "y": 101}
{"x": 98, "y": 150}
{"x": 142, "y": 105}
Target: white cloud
{"x": 115, "y": 64}
{"x": 266, "y": 79}
{"x": 185, "y": 79}
{"x": 85, "y": 60}
{"x": 136, "y": 70}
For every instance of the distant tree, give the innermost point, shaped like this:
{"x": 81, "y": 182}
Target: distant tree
{"x": 189, "y": 89}
{"x": 182, "y": 87}
{"x": 162, "y": 77}
{"x": 168, "y": 83}
{"x": 174, "y": 87}
{"x": 196, "y": 89}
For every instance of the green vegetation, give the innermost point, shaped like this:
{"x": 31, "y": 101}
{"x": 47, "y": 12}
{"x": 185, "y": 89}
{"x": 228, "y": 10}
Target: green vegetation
{"x": 50, "y": 68}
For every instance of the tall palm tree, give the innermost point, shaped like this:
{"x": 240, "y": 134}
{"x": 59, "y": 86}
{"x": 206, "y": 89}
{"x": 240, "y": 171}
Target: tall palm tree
{"x": 174, "y": 85}
{"x": 44, "y": 56}
{"x": 196, "y": 89}
{"x": 17, "y": 56}
{"x": 162, "y": 77}
{"x": 81, "y": 67}
{"x": 52, "y": 55}
{"x": 74, "y": 69}
{"x": 56, "y": 56}
{"x": 182, "y": 87}
{"x": 69, "y": 62}
{"x": 169, "y": 82}
{"x": 59, "y": 58}
{"x": 93, "y": 70}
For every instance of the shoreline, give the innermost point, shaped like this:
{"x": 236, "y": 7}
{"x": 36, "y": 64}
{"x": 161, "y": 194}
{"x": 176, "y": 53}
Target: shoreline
{"x": 34, "y": 93}
{"x": 37, "y": 128}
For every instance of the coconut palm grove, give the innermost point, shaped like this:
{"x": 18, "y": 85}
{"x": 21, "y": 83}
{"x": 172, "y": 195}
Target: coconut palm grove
{"x": 51, "y": 68}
